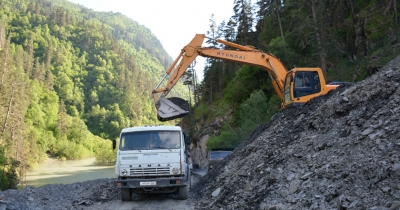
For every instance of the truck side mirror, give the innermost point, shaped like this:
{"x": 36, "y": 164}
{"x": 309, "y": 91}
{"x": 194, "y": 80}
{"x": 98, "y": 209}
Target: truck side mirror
{"x": 114, "y": 144}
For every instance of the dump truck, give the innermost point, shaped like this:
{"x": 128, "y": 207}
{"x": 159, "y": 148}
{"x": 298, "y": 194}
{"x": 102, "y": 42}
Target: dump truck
{"x": 153, "y": 159}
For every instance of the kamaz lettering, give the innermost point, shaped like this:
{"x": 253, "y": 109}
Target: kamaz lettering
{"x": 229, "y": 55}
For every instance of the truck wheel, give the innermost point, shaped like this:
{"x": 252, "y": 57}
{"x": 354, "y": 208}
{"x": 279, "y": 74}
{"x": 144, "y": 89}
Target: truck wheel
{"x": 183, "y": 192}
{"x": 126, "y": 194}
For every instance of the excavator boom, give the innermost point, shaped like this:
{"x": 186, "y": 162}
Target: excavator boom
{"x": 245, "y": 55}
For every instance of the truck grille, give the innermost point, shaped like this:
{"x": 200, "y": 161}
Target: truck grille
{"x": 150, "y": 171}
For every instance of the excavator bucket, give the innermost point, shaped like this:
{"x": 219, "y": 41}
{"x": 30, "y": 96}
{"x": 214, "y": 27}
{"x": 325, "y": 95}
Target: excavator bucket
{"x": 171, "y": 108}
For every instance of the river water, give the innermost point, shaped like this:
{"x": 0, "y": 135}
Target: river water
{"x": 67, "y": 172}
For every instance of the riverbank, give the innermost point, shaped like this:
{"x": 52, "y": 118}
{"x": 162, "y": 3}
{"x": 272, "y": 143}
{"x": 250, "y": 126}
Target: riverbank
{"x": 53, "y": 171}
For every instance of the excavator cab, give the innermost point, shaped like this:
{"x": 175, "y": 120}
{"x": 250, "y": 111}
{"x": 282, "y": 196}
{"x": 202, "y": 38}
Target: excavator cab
{"x": 303, "y": 84}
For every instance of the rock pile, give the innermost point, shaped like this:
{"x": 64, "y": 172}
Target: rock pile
{"x": 339, "y": 151}
{"x": 60, "y": 196}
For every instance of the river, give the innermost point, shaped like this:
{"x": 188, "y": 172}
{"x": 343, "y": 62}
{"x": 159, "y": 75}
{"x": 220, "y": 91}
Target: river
{"x": 67, "y": 172}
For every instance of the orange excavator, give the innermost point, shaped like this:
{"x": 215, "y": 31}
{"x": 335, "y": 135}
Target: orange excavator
{"x": 294, "y": 87}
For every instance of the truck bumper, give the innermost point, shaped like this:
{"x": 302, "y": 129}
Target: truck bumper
{"x": 151, "y": 183}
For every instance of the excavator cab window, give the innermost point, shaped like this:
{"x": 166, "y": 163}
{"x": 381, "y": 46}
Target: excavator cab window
{"x": 306, "y": 83}
{"x": 288, "y": 86}
{"x": 316, "y": 83}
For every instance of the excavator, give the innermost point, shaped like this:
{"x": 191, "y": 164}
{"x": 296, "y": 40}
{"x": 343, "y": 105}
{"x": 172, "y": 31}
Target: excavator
{"x": 294, "y": 87}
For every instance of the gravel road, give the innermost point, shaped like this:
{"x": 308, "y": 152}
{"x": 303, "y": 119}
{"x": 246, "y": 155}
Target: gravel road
{"x": 141, "y": 202}
{"x": 152, "y": 201}
{"x": 94, "y": 194}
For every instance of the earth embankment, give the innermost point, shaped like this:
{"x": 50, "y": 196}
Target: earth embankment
{"x": 339, "y": 151}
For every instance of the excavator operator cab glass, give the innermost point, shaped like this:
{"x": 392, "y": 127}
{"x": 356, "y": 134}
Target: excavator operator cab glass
{"x": 306, "y": 83}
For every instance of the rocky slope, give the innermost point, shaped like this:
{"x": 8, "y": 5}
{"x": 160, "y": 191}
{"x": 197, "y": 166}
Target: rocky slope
{"x": 340, "y": 151}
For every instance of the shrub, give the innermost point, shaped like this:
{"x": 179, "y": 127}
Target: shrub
{"x": 227, "y": 139}
{"x": 105, "y": 155}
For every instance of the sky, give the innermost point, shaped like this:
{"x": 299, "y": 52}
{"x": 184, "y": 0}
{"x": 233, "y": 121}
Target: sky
{"x": 173, "y": 22}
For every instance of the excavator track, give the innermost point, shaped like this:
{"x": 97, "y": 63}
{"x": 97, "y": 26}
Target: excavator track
{"x": 167, "y": 111}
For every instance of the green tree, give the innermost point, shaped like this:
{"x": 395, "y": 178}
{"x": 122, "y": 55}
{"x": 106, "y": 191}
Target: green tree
{"x": 244, "y": 19}
{"x": 252, "y": 113}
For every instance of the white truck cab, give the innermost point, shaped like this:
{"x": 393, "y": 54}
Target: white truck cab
{"x": 153, "y": 159}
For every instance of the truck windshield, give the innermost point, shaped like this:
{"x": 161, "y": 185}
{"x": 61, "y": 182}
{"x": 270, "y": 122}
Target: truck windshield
{"x": 145, "y": 140}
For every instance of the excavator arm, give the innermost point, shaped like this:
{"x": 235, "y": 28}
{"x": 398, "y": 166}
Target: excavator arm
{"x": 173, "y": 108}
{"x": 252, "y": 57}
{"x": 168, "y": 110}
{"x": 185, "y": 58}
{"x": 244, "y": 55}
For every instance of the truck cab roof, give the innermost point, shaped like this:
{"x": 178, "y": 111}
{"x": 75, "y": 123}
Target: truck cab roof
{"x": 151, "y": 128}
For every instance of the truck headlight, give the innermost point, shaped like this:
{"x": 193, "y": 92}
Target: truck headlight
{"x": 175, "y": 170}
{"x": 124, "y": 172}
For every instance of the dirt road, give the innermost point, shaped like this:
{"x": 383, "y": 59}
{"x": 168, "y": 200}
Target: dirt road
{"x": 152, "y": 201}
{"x": 143, "y": 202}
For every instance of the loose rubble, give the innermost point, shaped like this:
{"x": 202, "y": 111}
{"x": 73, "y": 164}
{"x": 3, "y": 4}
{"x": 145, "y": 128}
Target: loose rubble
{"x": 60, "y": 196}
{"x": 94, "y": 194}
{"x": 340, "y": 151}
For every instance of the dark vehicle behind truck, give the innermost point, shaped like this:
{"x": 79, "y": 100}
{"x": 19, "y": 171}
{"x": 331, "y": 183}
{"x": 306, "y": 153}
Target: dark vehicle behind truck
{"x": 216, "y": 155}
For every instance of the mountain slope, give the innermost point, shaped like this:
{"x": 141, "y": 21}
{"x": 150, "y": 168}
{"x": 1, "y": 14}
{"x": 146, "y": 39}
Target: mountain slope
{"x": 71, "y": 78}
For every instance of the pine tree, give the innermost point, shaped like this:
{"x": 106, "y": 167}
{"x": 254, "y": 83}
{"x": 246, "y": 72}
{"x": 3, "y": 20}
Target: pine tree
{"x": 62, "y": 120}
{"x": 5, "y": 61}
{"x": 212, "y": 33}
{"x": 49, "y": 55}
{"x": 244, "y": 18}
{"x": 396, "y": 25}
{"x": 319, "y": 34}
{"x": 49, "y": 79}
{"x": 2, "y": 34}
{"x": 229, "y": 30}
{"x": 29, "y": 59}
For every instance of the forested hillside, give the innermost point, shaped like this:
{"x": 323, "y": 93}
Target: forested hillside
{"x": 70, "y": 80}
{"x": 348, "y": 39}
